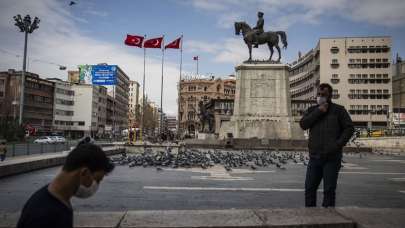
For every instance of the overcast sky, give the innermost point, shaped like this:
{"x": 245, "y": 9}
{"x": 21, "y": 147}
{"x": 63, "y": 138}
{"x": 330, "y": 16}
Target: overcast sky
{"x": 92, "y": 31}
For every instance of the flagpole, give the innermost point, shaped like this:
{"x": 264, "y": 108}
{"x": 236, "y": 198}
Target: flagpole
{"x": 179, "y": 89}
{"x": 161, "y": 90}
{"x": 143, "y": 92}
{"x": 198, "y": 59}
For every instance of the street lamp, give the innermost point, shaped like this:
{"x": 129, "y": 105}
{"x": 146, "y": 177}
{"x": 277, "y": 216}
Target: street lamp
{"x": 26, "y": 26}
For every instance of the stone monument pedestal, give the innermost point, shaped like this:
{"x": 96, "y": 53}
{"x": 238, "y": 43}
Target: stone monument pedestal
{"x": 262, "y": 106}
{"x": 206, "y": 136}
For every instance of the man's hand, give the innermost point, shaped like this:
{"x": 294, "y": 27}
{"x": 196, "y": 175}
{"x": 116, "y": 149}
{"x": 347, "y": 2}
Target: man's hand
{"x": 324, "y": 107}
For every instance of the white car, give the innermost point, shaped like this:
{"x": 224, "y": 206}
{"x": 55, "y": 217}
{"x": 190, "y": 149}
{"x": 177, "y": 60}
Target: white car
{"x": 59, "y": 139}
{"x": 45, "y": 140}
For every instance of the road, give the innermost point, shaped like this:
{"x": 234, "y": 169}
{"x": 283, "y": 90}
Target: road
{"x": 370, "y": 181}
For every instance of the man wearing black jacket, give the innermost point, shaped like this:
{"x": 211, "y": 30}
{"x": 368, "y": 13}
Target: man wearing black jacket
{"x": 330, "y": 128}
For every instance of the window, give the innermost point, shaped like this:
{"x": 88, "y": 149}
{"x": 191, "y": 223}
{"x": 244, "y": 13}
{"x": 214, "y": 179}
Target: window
{"x": 81, "y": 123}
{"x": 334, "y": 50}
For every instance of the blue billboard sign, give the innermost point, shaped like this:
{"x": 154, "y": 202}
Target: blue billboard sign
{"x": 104, "y": 74}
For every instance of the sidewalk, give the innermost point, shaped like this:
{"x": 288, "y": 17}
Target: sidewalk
{"x": 344, "y": 217}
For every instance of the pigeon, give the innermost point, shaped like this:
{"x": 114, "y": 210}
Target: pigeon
{"x": 72, "y": 3}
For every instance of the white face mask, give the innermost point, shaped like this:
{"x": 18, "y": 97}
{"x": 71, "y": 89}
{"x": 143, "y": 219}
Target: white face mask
{"x": 321, "y": 100}
{"x": 86, "y": 192}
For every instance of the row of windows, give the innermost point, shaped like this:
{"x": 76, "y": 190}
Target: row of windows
{"x": 64, "y": 102}
{"x": 370, "y": 61}
{"x": 368, "y": 65}
{"x": 67, "y": 123}
{"x": 63, "y": 112}
{"x": 38, "y": 99}
{"x": 38, "y": 86}
{"x": 65, "y": 91}
{"x": 368, "y": 49}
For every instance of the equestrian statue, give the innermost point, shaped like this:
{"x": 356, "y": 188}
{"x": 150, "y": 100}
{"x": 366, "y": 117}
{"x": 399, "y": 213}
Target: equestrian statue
{"x": 256, "y": 36}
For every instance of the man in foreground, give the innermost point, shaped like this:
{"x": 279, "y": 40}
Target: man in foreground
{"x": 50, "y": 206}
{"x": 330, "y": 128}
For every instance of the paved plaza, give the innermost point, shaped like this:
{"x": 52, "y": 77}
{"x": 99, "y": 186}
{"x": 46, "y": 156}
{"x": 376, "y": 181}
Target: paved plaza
{"x": 369, "y": 180}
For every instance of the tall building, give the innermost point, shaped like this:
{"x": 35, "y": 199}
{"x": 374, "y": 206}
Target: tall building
{"x": 398, "y": 92}
{"x": 90, "y": 110}
{"x": 134, "y": 106}
{"x": 172, "y": 123}
{"x": 63, "y": 107}
{"x": 38, "y": 100}
{"x": 120, "y": 95}
{"x": 192, "y": 91}
{"x": 359, "y": 70}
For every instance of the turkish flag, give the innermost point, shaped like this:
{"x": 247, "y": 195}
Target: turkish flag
{"x": 195, "y": 58}
{"x": 174, "y": 44}
{"x": 134, "y": 40}
{"x": 153, "y": 43}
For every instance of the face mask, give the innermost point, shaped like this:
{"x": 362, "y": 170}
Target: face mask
{"x": 86, "y": 192}
{"x": 320, "y": 100}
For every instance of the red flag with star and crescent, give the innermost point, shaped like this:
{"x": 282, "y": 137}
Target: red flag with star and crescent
{"x": 175, "y": 44}
{"x": 133, "y": 40}
{"x": 153, "y": 43}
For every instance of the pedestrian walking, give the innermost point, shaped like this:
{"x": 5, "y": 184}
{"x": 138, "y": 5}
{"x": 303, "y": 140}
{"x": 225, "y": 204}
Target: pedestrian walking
{"x": 81, "y": 175}
{"x": 330, "y": 128}
{"x": 3, "y": 151}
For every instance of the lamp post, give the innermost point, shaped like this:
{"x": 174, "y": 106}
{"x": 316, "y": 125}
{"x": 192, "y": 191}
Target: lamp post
{"x": 26, "y": 26}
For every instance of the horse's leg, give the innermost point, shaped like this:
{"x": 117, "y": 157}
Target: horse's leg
{"x": 279, "y": 53}
{"x": 250, "y": 51}
{"x": 271, "y": 50}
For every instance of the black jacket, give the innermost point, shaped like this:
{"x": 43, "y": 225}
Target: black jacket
{"x": 328, "y": 132}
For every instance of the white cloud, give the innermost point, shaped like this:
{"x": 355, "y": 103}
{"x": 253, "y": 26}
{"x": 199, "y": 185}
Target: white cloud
{"x": 59, "y": 40}
{"x": 284, "y": 13}
{"x": 232, "y": 50}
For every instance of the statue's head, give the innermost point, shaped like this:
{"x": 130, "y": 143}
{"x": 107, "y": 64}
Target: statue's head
{"x": 260, "y": 14}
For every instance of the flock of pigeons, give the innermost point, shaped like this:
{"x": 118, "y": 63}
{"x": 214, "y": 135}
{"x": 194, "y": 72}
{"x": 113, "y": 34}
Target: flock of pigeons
{"x": 188, "y": 158}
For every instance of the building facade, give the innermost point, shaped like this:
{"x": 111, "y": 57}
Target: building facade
{"x": 63, "y": 107}
{"x": 120, "y": 95}
{"x": 192, "y": 91}
{"x": 358, "y": 68}
{"x": 398, "y": 92}
{"x": 90, "y": 111}
{"x": 172, "y": 123}
{"x": 38, "y": 100}
{"x": 134, "y": 105}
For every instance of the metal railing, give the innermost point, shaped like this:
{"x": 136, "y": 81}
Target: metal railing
{"x": 24, "y": 149}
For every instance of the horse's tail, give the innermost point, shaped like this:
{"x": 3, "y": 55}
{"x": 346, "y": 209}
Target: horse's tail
{"x": 283, "y": 38}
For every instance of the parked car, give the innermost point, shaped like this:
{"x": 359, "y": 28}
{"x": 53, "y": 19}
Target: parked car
{"x": 45, "y": 140}
{"x": 59, "y": 139}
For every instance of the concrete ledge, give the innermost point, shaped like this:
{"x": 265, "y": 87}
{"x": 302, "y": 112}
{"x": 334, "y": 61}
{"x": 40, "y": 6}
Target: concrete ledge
{"x": 286, "y": 218}
{"x": 98, "y": 219}
{"x": 374, "y": 217}
{"x": 303, "y": 217}
{"x": 35, "y": 162}
{"x": 191, "y": 218}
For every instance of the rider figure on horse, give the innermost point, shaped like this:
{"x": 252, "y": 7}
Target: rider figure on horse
{"x": 259, "y": 28}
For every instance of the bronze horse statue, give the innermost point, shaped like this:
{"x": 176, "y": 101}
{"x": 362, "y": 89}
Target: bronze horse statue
{"x": 206, "y": 116}
{"x": 271, "y": 38}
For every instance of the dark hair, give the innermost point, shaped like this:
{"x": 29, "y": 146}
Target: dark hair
{"x": 87, "y": 139}
{"x": 327, "y": 86}
{"x": 90, "y": 156}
